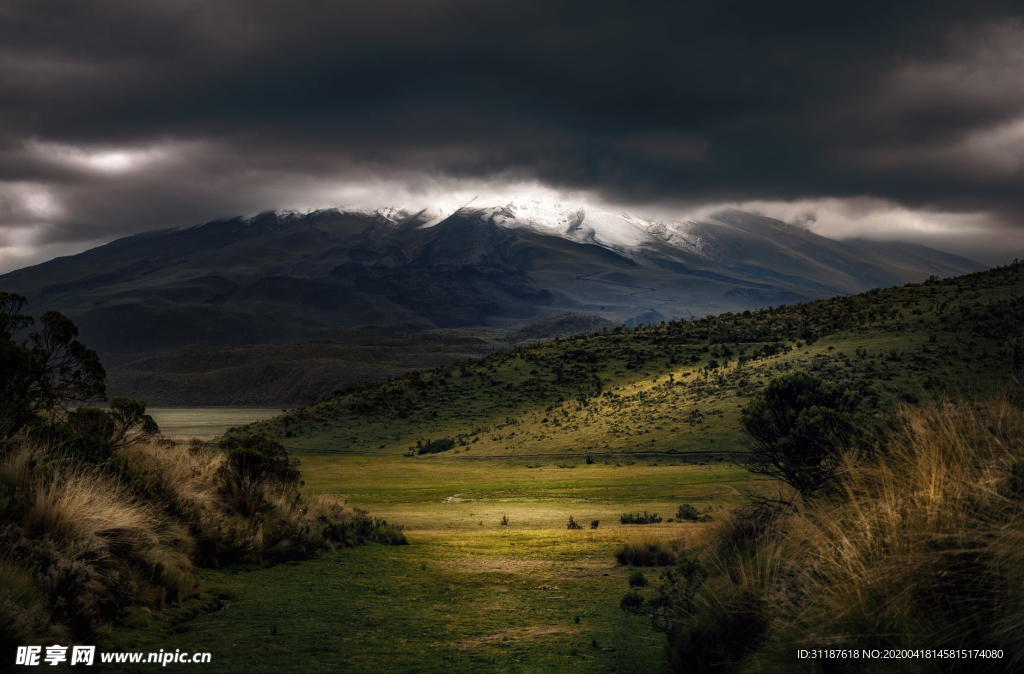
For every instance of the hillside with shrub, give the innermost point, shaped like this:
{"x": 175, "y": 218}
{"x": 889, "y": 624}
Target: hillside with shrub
{"x": 99, "y": 515}
{"x": 679, "y": 386}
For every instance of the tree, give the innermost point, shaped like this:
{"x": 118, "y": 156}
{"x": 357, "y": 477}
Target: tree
{"x": 130, "y": 421}
{"x": 91, "y": 434}
{"x": 252, "y": 465}
{"x": 797, "y": 427}
{"x": 48, "y": 372}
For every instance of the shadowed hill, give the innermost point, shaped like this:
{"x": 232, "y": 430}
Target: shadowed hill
{"x": 679, "y": 386}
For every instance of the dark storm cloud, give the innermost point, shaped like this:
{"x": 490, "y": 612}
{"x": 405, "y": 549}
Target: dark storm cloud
{"x": 120, "y": 116}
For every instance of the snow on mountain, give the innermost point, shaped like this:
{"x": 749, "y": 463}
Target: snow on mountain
{"x": 619, "y": 231}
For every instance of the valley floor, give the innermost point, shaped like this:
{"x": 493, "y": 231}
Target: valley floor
{"x": 467, "y": 593}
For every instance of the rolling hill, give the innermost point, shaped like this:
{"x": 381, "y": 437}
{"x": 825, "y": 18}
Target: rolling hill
{"x": 678, "y": 387}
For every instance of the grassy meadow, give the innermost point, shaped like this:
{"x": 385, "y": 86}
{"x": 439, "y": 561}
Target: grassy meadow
{"x": 467, "y": 593}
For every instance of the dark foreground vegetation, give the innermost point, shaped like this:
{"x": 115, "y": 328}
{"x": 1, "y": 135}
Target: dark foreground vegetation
{"x": 902, "y": 533}
{"x": 98, "y": 515}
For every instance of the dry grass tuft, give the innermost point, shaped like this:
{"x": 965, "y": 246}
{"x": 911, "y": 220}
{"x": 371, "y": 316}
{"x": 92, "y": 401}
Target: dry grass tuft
{"x": 926, "y": 547}
{"x": 645, "y": 551}
{"x": 82, "y": 542}
{"x": 922, "y": 547}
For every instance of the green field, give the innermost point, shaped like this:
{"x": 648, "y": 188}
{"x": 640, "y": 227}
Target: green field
{"x": 467, "y": 593}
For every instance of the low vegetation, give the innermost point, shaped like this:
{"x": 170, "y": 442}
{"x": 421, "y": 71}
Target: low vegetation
{"x": 97, "y": 515}
{"x": 867, "y": 518}
{"x": 688, "y": 513}
{"x": 645, "y": 552}
{"x": 638, "y": 518}
{"x": 917, "y": 544}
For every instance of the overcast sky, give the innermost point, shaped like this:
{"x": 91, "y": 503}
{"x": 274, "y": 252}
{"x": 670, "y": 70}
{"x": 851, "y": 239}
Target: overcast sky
{"x": 881, "y": 119}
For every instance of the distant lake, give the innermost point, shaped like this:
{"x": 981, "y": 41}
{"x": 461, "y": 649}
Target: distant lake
{"x": 207, "y": 420}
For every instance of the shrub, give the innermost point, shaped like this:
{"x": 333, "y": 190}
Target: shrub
{"x": 435, "y": 446}
{"x": 798, "y": 427}
{"x": 637, "y": 579}
{"x": 637, "y": 518}
{"x": 252, "y": 466}
{"x": 96, "y": 517}
{"x": 24, "y": 608}
{"x": 573, "y": 524}
{"x": 644, "y": 553}
{"x": 83, "y": 436}
{"x": 91, "y": 547}
{"x": 90, "y": 434}
{"x": 687, "y": 513}
{"x": 504, "y": 520}
{"x": 388, "y": 534}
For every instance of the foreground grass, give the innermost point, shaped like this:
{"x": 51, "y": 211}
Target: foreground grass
{"x": 467, "y": 593}
{"x": 916, "y": 549}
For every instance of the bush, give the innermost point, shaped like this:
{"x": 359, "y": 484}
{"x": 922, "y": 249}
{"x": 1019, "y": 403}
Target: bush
{"x": 90, "y": 434}
{"x": 84, "y": 436}
{"x": 96, "y": 517}
{"x": 252, "y": 466}
{"x": 687, "y": 513}
{"x": 798, "y": 427}
{"x": 434, "y": 446}
{"x": 637, "y": 579}
{"x": 90, "y": 548}
{"x": 504, "y": 520}
{"x": 573, "y": 524}
{"x": 644, "y": 553}
{"x": 645, "y": 518}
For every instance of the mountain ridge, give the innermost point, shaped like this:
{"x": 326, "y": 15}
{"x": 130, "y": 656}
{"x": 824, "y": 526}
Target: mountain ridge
{"x": 287, "y": 278}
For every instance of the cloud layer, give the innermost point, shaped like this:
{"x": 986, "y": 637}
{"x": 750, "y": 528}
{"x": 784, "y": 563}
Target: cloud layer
{"x": 870, "y": 118}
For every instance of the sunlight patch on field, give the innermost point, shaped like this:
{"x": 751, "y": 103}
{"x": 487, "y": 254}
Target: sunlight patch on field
{"x": 204, "y": 421}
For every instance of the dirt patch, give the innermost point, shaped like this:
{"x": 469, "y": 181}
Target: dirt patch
{"x": 496, "y": 565}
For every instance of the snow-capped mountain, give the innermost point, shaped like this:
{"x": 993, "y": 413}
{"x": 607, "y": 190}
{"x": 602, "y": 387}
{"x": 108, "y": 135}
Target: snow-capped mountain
{"x": 575, "y": 222}
{"x": 286, "y": 276}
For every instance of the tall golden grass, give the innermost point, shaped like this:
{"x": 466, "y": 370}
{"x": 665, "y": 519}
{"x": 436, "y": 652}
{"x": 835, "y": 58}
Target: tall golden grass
{"x": 79, "y": 542}
{"x": 922, "y": 547}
